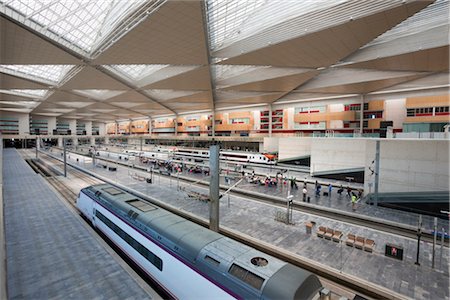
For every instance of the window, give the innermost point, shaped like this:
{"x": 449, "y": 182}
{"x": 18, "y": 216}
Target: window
{"x": 410, "y": 112}
{"x": 141, "y": 205}
{"x": 113, "y": 191}
{"x": 246, "y": 276}
{"x": 147, "y": 254}
{"x": 212, "y": 261}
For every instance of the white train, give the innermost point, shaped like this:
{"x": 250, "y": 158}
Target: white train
{"x": 240, "y": 156}
{"x": 187, "y": 260}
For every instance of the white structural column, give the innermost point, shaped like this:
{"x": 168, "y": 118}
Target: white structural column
{"x": 129, "y": 126}
{"x": 213, "y": 124}
{"x": 270, "y": 120}
{"x": 101, "y": 129}
{"x": 60, "y": 142}
{"x": 73, "y": 127}
{"x": 150, "y": 125}
{"x": 176, "y": 124}
{"x": 214, "y": 171}
{"x": 51, "y": 125}
{"x": 361, "y": 117}
{"x": 88, "y": 127}
{"x": 92, "y": 139}
{"x": 24, "y": 124}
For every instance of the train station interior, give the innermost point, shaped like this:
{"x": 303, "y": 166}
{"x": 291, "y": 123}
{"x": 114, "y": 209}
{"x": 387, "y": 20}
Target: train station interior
{"x": 224, "y": 149}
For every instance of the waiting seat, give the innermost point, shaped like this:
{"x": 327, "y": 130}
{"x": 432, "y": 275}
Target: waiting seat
{"x": 337, "y": 236}
{"x": 359, "y": 242}
{"x": 369, "y": 245}
{"x": 328, "y": 234}
{"x": 321, "y": 231}
{"x": 350, "y": 240}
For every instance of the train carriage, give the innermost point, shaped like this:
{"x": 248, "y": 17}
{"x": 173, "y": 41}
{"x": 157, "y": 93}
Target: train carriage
{"x": 187, "y": 260}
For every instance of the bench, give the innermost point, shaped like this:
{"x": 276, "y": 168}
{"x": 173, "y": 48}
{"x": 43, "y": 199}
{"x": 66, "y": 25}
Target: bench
{"x": 337, "y": 236}
{"x": 369, "y": 245}
{"x": 329, "y": 234}
{"x": 359, "y": 242}
{"x": 350, "y": 240}
{"x": 321, "y": 231}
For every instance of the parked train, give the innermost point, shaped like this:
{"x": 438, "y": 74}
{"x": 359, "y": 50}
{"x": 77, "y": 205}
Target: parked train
{"x": 240, "y": 156}
{"x": 187, "y": 260}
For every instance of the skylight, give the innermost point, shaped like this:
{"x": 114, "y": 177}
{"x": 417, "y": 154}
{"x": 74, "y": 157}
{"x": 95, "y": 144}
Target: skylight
{"x": 226, "y": 17}
{"x": 135, "y": 72}
{"x": 49, "y": 74}
{"x": 82, "y": 25}
{"x": 26, "y": 93}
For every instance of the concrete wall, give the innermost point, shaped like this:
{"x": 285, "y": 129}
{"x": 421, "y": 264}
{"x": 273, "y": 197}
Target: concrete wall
{"x": 395, "y": 110}
{"x": 51, "y": 125}
{"x": 410, "y": 165}
{"x": 88, "y": 127}
{"x": 270, "y": 144}
{"x": 291, "y": 147}
{"x": 329, "y": 154}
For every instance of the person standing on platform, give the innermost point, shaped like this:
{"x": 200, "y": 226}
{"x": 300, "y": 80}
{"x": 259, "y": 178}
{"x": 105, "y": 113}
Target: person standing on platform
{"x": 305, "y": 193}
{"x": 349, "y": 191}
{"x": 330, "y": 188}
{"x": 354, "y": 199}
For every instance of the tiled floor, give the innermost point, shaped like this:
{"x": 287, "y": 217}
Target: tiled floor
{"x": 50, "y": 253}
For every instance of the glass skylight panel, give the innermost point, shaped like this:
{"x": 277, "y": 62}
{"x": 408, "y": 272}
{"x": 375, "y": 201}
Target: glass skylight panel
{"x": 26, "y": 93}
{"x": 82, "y": 25}
{"x": 226, "y": 17}
{"x": 135, "y": 72}
{"x": 49, "y": 74}
{"x": 436, "y": 14}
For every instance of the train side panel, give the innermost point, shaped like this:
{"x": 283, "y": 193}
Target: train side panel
{"x": 174, "y": 276}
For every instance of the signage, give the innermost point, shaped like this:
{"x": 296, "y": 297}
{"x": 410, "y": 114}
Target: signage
{"x": 394, "y": 251}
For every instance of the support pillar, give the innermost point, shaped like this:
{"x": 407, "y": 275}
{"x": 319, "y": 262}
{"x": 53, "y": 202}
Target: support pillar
{"x": 361, "y": 117}
{"x": 60, "y": 142}
{"x": 213, "y": 124}
{"x": 37, "y": 147}
{"x": 214, "y": 171}
{"x": 377, "y": 170}
{"x": 65, "y": 157}
{"x": 176, "y": 125}
{"x": 92, "y": 141}
{"x": 270, "y": 120}
{"x": 150, "y": 126}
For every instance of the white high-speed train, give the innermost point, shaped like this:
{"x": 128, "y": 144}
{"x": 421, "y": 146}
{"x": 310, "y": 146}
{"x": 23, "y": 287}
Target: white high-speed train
{"x": 187, "y": 260}
{"x": 240, "y": 156}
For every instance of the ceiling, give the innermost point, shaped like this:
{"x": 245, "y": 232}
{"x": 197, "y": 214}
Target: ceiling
{"x": 111, "y": 60}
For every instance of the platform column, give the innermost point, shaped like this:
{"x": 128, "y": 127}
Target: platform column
{"x": 65, "y": 159}
{"x": 361, "y": 117}
{"x": 214, "y": 170}
{"x": 60, "y": 142}
{"x": 270, "y": 120}
{"x": 92, "y": 141}
{"x": 377, "y": 171}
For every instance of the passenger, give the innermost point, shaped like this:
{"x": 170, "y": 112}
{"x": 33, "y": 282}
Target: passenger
{"x": 349, "y": 191}
{"x": 318, "y": 190}
{"x": 340, "y": 190}
{"x": 330, "y": 188}
{"x": 316, "y": 185}
{"x": 305, "y": 192}
{"x": 354, "y": 199}
{"x": 360, "y": 194}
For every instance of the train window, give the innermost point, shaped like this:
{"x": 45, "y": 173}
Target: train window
{"x": 141, "y": 205}
{"x": 246, "y": 276}
{"x": 113, "y": 191}
{"x": 211, "y": 260}
{"x": 150, "y": 256}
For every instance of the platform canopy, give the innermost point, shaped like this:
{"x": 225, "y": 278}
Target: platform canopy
{"x": 104, "y": 60}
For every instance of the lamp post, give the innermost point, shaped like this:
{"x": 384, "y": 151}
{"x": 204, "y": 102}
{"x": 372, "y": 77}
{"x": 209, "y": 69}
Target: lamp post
{"x": 419, "y": 234}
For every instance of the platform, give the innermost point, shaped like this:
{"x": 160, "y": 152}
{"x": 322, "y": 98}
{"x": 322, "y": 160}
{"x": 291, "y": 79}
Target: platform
{"x": 256, "y": 219}
{"x": 50, "y": 253}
